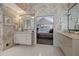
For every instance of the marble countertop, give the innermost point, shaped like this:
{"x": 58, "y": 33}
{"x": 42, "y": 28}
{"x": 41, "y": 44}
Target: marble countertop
{"x": 70, "y": 35}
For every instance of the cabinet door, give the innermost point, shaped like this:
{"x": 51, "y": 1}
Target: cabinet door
{"x": 67, "y": 45}
{"x": 28, "y": 41}
{"x": 20, "y": 37}
{"x": 29, "y": 38}
{"x": 59, "y": 38}
{"x": 23, "y": 38}
{"x": 75, "y": 47}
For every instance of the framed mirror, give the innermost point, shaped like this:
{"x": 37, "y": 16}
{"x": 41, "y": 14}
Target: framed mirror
{"x": 28, "y": 22}
{"x": 74, "y": 18}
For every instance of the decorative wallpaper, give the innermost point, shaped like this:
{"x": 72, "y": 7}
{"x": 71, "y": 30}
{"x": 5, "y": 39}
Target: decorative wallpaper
{"x": 6, "y": 31}
{"x": 40, "y": 9}
{"x": 45, "y": 9}
{"x": 1, "y": 26}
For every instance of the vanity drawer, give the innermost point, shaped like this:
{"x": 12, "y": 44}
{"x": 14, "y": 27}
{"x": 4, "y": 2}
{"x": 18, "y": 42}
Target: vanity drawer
{"x": 23, "y": 38}
{"x": 29, "y": 42}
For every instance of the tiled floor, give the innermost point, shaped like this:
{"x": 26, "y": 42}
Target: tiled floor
{"x": 34, "y": 50}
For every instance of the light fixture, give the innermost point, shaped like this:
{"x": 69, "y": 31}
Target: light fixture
{"x": 19, "y": 17}
{"x": 32, "y": 17}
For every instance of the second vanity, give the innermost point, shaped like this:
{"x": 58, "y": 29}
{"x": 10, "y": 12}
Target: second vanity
{"x": 68, "y": 42}
{"x": 24, "y": 37}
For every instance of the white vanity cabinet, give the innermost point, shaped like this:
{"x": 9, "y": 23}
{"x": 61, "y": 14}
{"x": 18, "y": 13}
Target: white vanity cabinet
{"x": 23, "y": 37}
{"x": 69, "y": 43}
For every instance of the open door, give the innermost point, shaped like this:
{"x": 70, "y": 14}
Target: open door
{"x": 45, "y": 30}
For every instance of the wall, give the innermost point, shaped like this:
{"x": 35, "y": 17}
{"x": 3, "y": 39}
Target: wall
{"x": 61, "y": 15}
{"x": 9, "y": 28}
{"x": 6, "y": 30}
{"x": 57, "y": 10}
{"x": 1, "y": 27}
{"x": 61, "y": 10}
{"x": 43, "y": 9}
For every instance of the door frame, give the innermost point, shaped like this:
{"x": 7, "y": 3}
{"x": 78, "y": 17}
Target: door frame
{"x": 36, "y": 27}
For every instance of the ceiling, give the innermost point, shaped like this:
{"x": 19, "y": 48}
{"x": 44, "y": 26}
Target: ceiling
{"x": 15, "y": 7}
{"x": 23, "y": 6}
{"x": 27, "y": 7}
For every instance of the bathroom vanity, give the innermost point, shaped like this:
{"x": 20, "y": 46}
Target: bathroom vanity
{"x": 24, "y": 37}
{"x": 68, "y": 42}
{"x": 25, "y": 33}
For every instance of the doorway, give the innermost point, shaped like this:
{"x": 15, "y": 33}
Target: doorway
{"x": 45, "y": 30}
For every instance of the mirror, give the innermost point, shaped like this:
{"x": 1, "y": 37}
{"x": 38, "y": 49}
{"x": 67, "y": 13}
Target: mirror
{"x": 70, "y": 21}
{"x": 28, "y": 22}
{"x": 74, "y": 18}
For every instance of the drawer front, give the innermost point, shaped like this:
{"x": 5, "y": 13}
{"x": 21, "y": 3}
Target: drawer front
{"x": 67, "y": 50}
{"x": 59, "y": 37}
{"x": 29, "y": 42}
{"x": 23, "y": 38}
